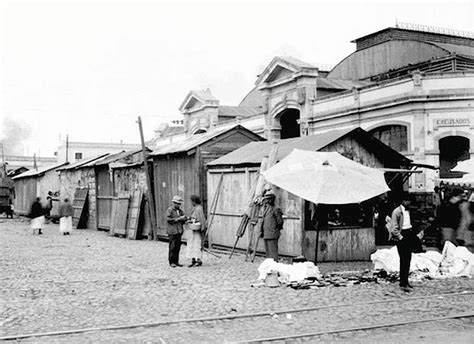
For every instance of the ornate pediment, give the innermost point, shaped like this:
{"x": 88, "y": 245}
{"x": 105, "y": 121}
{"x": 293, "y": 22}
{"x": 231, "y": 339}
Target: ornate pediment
{"x": 284, "y": 69}
{"x": 196, "y": 100}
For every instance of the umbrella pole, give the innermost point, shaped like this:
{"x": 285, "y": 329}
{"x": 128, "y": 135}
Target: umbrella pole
{"x": 316, "y": 249}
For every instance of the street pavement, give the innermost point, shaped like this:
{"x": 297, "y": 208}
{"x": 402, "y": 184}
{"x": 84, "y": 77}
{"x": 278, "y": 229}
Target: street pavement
{"x": 89, "y": 279}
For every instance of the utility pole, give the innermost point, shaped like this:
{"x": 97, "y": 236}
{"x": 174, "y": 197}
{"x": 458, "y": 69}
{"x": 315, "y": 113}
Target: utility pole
{"x": 34, "y": 162}
{"x": 151, "y": 202}
{"x": 67, "y": 148}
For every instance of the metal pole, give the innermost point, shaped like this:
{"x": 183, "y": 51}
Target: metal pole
{"x": 151, "y": 202}
{"x": 67, "y": 148}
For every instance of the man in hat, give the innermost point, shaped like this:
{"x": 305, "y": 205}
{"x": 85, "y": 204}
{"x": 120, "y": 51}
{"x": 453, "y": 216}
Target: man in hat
{"x": 406, "y": 237}
{"x": 175, "y": 218}
{"x": 271, "y": 225}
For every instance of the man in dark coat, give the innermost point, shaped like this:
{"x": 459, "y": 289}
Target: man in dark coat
{"x": 272, "y": 224}
{"x": 175, "y": 218}
{"x": 403, "y": 233}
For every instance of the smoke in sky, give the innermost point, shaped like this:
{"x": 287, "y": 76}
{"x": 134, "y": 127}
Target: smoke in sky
{"x": 13, "y": 134}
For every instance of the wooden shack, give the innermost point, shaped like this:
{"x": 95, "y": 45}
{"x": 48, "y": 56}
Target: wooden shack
{"x": 104, "y": 192}
{"x": 339, "y": 243}
{"x": 78, "y": 176}
{"x": 36, "y": 183}
{"x": 130, "y": 181}
{"x": 180, "y": 168}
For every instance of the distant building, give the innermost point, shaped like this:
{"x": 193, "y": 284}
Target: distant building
{"x": 82, "y": 150}
{"x": 412, "y": 87}
{"x": 15, "y": 162}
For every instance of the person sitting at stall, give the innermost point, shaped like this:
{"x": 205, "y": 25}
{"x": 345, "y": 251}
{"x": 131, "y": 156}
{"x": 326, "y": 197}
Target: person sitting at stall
{"x": 334, "y": 218}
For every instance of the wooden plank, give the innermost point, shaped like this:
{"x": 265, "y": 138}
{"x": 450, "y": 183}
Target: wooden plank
{"x": 79, "y": 203}
{"x": 113, "y": 216}
{"x": 121, "y": 216}
{"x": 134, "y": 212}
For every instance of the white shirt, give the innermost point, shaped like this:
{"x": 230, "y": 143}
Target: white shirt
{"x": 406, "y": 218}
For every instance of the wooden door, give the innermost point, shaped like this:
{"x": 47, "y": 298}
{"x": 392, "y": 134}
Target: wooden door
{"x": 79, "y": 205}
{"x": 134, "y": 214}
{"x": 105, "y": 195}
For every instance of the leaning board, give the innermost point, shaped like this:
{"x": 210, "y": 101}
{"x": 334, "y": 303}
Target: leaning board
{"x": 118, "y": 221}
{"x": 78, "y": 205}
{"x": 134, "y": 214}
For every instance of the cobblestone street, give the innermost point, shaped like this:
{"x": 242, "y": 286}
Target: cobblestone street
{"x": 89, "y": 279}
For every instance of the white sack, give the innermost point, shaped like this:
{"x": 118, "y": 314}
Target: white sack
{"x": 288, "y": 272}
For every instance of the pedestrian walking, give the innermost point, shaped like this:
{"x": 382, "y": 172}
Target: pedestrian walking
{"x": 196, "y": 226}
{"x": 450, "y": 216}
{"x": 271, "y": 225}
{"x": 405, "y": 236}
{"x": 175, "y": 218}
{"x": 465, "y": 235}
{"x": 65, "y": 217}
{"x": 37, "y": 216}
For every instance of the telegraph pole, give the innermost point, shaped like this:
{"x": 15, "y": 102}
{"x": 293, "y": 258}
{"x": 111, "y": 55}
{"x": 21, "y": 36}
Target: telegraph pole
{"x": 151, "y": 202}
{"x": 67, "y": 148}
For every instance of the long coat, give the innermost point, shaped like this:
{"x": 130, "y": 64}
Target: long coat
{"x": 272, "y": 222}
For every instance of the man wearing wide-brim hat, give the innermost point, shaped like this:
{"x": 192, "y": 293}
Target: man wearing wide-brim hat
{"x": 175, "y": 218}
{"x": 271, "y": 225}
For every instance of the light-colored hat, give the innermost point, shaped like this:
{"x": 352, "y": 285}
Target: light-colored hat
{"x": 177, "y": 199}
{"x": 269, "y": 194}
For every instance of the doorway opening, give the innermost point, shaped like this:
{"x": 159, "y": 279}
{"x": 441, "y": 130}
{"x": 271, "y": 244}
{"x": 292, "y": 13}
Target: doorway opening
{"x": 452, "y": 149}
{"x": 289, "y": 124}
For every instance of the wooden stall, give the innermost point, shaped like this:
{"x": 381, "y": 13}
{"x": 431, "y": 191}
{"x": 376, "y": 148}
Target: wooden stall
{"x": 130, "y": 181}
{"x": 36, "y": 183}
{"x": 338, "y": 243}
{"x": 180, "y": 168}
{"x": 78, "y": 176}
{"x": 104, "y": 184}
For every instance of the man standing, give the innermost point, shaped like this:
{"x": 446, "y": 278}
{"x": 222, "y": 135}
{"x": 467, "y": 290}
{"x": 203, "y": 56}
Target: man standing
{"x": 450, "y": 216}
{"x": 402, "y": 232}
{"x": 272, "y": 224}
{"x": 175, "y": 218}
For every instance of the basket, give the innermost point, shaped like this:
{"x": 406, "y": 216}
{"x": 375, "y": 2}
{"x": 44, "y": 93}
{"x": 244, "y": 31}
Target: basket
{"x": 194, "y": 226}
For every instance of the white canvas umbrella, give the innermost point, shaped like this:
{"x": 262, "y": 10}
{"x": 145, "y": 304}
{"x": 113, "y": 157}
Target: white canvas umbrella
{"x": 326, "y": 177}
{"x": 465, "y": 166}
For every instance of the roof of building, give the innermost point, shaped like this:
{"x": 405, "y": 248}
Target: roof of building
{"x": 340, "y": 84}
{"x": 253, "y": 98}
{"x": 254, "y": 152}
{"x": 237, "y": 111}
{"x": 127, "y": 156}
{"x": 195, "y": 141}
{"x": 40, "y": 171}
{"x": 82, "y": 162}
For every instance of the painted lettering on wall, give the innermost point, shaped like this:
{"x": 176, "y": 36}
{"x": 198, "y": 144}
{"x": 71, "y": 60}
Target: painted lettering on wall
{"x": 452, "y": 122}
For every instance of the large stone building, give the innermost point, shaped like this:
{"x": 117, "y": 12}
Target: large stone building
{"x": 411, "y": 87}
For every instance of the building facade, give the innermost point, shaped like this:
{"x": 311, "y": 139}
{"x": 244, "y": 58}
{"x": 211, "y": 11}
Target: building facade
{"x": 410, "y": 87}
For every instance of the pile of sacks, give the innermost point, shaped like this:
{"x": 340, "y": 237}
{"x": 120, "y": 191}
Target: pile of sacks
{"x": 454, "y": 261}
{"x": 287, "y": 273}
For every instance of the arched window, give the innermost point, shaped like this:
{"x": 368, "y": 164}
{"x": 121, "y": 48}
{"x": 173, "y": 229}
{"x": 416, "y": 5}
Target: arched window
{"x": 394, "y": 136}
{"x": 289, "y": 124}
{"x": 200, "y": 131}
{"x": 452, "y": 149}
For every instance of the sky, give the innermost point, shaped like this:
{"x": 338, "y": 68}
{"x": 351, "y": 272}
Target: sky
{"x": 87, "y": 69}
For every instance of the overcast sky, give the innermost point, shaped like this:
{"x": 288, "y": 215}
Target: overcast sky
{"x": 89, "y": 68}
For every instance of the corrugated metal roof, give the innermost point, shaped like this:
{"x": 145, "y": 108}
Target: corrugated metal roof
{"x": 111, "y": 158}
{"x": 340, "y": 84}
{"x": 254, "y": 152}
{"x": 193, "y": 141}
{"x": 39, "y": 171}
{"x": 82, "y": 162}
{"x": 237, "y": 111}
